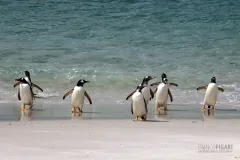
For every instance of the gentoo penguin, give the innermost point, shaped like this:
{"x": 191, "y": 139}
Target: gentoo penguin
{"x": 162, "y": 94}
{"x": 28, "y": 79}
{"x": 161, "y": 91}
{"x": 78, "y": 93}
{"x": 26, "y": 93}
{"x": 211, "y": 93}
{"x": 146, "y": 91}
{"x": 139, "y": 105}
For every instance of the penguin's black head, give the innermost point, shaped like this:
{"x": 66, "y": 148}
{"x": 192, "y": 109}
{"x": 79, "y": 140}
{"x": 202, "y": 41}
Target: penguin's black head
{"x": 27, "y": 74}
{"x": 213, "y": 80}
{"x": 22, "y": 80}
{"x": 146, "y": 79}
{"x": 139, "y": 88}
{"x": 81, "y": 82}
{"x": 165, "y": 80}
{"x": 164, "y": 76}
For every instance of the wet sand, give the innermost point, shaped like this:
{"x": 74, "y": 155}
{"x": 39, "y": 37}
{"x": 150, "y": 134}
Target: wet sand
{"x": 12, "y": 112}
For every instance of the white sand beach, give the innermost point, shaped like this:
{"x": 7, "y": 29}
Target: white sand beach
{"x": 117, "y": 139}
{"x": 109, "y": 132}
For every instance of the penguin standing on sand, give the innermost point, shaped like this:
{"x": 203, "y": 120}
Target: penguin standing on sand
{"x": 28, "y": 79}
{"x": 26, "y": 93}
{"x": 210, "y": 98}
{"x": 139, "y": 105}
{"x": 146, "y": 91}
{"x": 78, "y": 93}
{"x": 162, "y": 92}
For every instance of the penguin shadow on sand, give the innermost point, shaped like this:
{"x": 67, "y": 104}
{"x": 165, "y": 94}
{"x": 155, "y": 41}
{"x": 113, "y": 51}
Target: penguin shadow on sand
{"x": 77, "y": 116}
{"x": 84, "y": 114}
{"x": 161, "y": 114}
{"x": 208, "y": 114}
{"x": 26, "y": 115}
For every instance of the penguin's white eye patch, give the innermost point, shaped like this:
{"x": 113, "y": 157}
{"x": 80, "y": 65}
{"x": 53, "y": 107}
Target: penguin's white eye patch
{"x": 82, "y": 81}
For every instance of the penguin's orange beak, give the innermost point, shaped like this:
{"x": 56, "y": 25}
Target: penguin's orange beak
{"x": 19, "y": 79}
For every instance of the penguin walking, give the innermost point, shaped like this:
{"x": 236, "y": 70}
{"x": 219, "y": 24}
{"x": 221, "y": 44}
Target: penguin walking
{"x": 146, "y": 91}
{"x": 162, "y": 92}
{"x": 139, "y": 105}
{"x": 28, "y": 79}
{"x": 210, "y": 98}
{"x": 26, "y": 93}
{"x": 78, "y": 93}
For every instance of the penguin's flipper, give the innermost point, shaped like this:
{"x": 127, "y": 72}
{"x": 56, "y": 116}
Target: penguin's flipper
{"x": 19, "y": 97}
{"x": 34, "y": 85}
{"x": 155, "y": 91}
{"x": 132, "y": 108}
{"x": 130, "y": 95}
{"x": 202, "y": 87}
{"x": 16, "y": 84}
{"x": 220, "y": 89}
{"x": 173, "y": 84}
{"x": 32, "y": 93}
{"x": 156, "y": 83}
{"x": 66, "y": 94}
{"x": 152, "y": 93}
{"x": 88, "y": 97}
{"x": 170, "y": 95}
{"x": 145, "y": 105}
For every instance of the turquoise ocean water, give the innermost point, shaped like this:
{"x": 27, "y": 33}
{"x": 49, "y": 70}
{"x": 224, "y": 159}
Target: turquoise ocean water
{"x": 114, "y": 44}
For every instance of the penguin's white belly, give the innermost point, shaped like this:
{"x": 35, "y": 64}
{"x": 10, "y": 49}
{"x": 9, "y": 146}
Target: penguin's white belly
{"x": 138, "y": 105}
{"x": 162, "y": 95}
{"x": 78, "y": 96}
{"x": 146, "y": 94}
{"x": 25, "y": 94}
{"x": 210, "y": 98}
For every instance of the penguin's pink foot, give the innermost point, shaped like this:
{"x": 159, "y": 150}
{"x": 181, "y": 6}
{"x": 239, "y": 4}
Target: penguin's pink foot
{"x": 23, "y": 108}
{"x": 136, "y": 118}
{"x": 73, "y": 109}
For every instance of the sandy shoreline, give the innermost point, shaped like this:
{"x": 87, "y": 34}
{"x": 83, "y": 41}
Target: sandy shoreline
{"x": 41, "y": 111}
{"x": 117, "y": 139}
